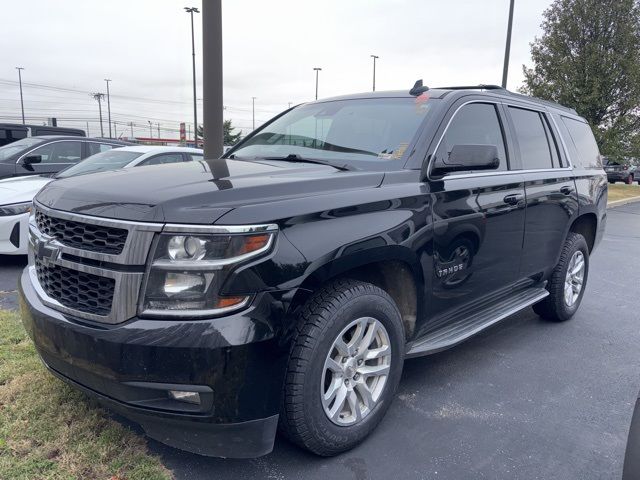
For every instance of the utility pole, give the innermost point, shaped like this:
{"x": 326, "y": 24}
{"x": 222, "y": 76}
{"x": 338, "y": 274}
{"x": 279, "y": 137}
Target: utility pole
{"x": 507, "y": 49}
{"x": 20, "y": 81}
{"x": 88, "y": 130}
{"x": 212, "y": 78}
{"x": 375, "y": 57}
{"x": 191, "y": 11}
{"x": 131, "y": 125}
{"x": 108, "y": 105}
{"x": 317, "y": 69}
{"x": 159, "y": 130}
{"x": 253, "y": 111}
{"x": 150, "y": 129}
{"x": 99, "y": 97}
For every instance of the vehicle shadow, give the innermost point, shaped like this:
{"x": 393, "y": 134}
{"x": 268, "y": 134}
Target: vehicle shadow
{"x": 10, "y": 268}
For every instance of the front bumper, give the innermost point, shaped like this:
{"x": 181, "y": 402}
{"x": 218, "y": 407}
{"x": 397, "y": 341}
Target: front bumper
{"x": 14, "y": 234}
{"x": 235, "y": 362}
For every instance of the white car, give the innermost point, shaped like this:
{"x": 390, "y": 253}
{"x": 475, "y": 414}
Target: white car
{"x": 16, "y": 194}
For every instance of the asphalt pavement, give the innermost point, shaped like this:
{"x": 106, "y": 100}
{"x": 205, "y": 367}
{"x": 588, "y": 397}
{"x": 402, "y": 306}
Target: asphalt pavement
{"x": 526, "y": 399}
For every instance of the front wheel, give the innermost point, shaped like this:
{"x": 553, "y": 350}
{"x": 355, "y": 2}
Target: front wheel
{"x": 568, "y": 281}
{"x": 344, "y": 367}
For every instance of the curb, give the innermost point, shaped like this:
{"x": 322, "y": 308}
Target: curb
{"x": 625, "y": 201}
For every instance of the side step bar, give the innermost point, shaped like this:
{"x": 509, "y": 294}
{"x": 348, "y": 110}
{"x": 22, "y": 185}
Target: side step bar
{"x": 464, "y": 327}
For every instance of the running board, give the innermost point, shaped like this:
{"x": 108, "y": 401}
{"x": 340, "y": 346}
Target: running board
{"x": 459, "y": 329}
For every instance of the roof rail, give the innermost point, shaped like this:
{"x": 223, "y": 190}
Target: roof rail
{"x": 514, "y": 94}
{"x": 473, "y": 87}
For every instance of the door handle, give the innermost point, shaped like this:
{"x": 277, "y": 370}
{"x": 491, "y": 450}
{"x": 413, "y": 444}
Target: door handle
{"x": 513, "y": 199}
{"x": 566, "y": 190}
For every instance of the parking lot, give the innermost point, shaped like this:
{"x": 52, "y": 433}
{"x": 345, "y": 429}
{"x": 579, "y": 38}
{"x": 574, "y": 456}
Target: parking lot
{"x": 526, "y": 399}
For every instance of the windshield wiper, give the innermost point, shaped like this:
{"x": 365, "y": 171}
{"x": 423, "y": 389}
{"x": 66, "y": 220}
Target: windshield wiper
{"x": 294, "y": 157}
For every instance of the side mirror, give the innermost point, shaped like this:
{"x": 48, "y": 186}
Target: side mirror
{"x": 28, "y": 160}
{"x": 467, "y": 158}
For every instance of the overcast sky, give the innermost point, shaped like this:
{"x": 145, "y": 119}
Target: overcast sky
{"x": 270, "y": 49}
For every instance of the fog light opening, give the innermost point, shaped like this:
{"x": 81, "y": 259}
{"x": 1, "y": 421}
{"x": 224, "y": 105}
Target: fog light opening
{"x": 184, "y": 396}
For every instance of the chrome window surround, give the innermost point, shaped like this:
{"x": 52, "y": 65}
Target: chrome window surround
{"x": 504, "y": 172}
{"x": 128, "y": 283}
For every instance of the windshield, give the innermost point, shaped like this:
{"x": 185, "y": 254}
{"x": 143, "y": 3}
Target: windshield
{"x": 372, "y": 130}
{"x": 16, "y": 147}
{"x": 109, "y": 160}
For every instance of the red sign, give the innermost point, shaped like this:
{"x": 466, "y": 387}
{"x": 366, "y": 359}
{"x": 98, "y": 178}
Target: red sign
{"x": 183, "y": 132}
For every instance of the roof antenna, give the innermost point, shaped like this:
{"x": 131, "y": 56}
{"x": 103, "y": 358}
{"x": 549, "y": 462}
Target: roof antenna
{"x": 418, "y": 89}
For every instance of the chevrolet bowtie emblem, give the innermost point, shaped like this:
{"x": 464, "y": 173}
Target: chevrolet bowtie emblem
{"x": 46, "y": 251}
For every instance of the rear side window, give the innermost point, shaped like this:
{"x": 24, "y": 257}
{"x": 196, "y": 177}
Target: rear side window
{"x": 474, "y": 124}
{"x": 534, "y": 139}
{"x": 98, "y": 147}
{"x": 586, "y": 146}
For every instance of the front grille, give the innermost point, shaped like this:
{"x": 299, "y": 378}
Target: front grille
{"x": 77, "y": 290}
{"x": 85, "y": 236}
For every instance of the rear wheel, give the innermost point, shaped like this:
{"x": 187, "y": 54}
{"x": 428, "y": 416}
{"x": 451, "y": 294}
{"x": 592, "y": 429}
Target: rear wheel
{"x": 568, "y": 281}
{"x": 344, "y": 367}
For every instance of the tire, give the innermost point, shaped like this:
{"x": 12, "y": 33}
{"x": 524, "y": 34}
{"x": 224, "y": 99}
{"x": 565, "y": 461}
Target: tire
{"x": 611, "y": 182}
{"x": 323, "y": 320}
{"x": 629, "y": 180}
{"x": 555, "y": 307}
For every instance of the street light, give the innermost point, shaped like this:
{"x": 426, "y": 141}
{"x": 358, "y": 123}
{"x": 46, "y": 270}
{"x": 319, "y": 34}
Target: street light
{"x": 191, "y": 11}
{"x": 317, "y": 69}
{"x": 20, "y": 80}
{"x": 253, "y": 111}
{"x": 507, "y": 49}
{"x": 150, "y": 129}
{"x": 108, "y": 105}
{"x": 375, "y": 57}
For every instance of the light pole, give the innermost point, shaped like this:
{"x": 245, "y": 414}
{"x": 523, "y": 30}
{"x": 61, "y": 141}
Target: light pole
{"x": 159, "y": 130}
{"x": 99, "y": 97}
{"x": 150, "y": 129}
{"x": 253, "y": 111}
{"x": 375, "y": 57}
{"x": 131, "y": 125}
{"x": 507, "y": 49}
{"x": 191, "y": 11}
{"x": 317, "y": 69}
{"x": 108, "y": 105}
{"x": 20, "y": 81}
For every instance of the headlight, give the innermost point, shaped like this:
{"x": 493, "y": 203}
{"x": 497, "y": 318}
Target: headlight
{"x": 15, "y": 209}
{"x": 187, "y": 271}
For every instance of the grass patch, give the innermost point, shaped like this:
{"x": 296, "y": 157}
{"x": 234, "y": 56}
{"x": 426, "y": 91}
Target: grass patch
{"x": 620, "y": 191}
{"x": 49, "y": 431}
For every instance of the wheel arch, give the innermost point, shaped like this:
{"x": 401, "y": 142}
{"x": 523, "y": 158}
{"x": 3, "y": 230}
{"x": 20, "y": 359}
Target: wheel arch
{"x": 395, "y": 269}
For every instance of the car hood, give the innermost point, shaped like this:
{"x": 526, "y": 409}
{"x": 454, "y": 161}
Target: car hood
{"x": 196, "y": 192}
{"x": 20, "y": 189}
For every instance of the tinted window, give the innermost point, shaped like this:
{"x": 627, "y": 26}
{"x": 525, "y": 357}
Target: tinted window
{"x": 163, "y": 158}
{"x": 535, "y": 150}
{"x": 98, "y": 147}
{"x": 59, "y": 152}
{"x": 371, "y": 130}
{"x": 582, "y": 137}
{"x": 18, "y": 134}
{"x": 474, "y": 124}
{"x": 17, "y": 147}
{"x": 196, "y": 156}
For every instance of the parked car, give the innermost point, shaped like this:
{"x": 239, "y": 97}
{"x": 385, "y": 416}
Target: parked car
{"x": 622, "y": 170}
{"x": 49, "y": 154}
{"x": 16, "y": 194}
{"x": 11, "y": 132}
{"x": 286, "y": 282}
{"x": 631, "y": 470}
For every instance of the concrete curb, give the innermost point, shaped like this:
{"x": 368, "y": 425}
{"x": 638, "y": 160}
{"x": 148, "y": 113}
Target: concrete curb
{"x": 624, "y": 201}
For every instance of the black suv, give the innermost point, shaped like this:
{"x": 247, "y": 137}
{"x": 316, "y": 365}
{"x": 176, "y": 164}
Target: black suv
{"x": 49, "y": 154}
{"x": 287, "y": 282}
